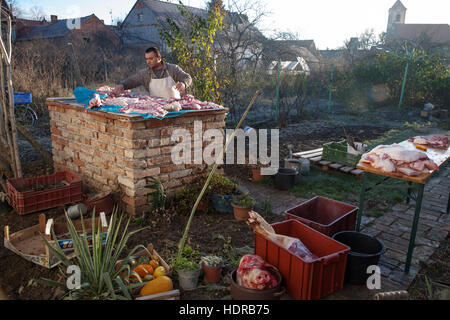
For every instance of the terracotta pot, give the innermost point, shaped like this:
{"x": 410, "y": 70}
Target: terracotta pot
{"x": 242, "y": 293}
{"x": 211, "y": 274}
{"x": 257, "y": 176}
{"x": 241, "y": 213}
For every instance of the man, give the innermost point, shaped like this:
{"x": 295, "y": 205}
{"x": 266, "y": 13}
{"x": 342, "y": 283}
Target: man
{"x": 160, "y": 79}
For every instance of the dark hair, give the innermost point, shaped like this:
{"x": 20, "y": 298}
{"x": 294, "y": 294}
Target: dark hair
{"x": 155, "y": 50}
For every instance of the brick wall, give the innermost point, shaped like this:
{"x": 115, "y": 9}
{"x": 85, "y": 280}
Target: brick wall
{"x": 116, "y": 153}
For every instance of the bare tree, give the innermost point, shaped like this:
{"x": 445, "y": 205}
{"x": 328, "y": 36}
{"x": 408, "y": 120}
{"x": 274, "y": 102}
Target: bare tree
{"x": 17, "y": 11}
{"x": 37, "y": 13}
{"x": 239, "y": 44}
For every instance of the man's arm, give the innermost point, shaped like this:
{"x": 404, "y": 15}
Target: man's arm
{"x": 134, "y": 81}
{"x": 179, "y": 75}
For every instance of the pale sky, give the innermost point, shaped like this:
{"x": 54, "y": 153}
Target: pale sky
{"x": 328, "y": 22}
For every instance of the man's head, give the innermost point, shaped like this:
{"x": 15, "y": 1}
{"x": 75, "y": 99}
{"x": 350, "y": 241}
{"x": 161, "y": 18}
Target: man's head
{"x": 152, "y": 57}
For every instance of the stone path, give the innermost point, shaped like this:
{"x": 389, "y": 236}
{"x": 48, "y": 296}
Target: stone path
{"x": 393, "y": 229}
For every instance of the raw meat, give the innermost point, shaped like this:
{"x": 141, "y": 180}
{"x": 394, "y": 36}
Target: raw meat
{"x": 396, "y": 158}
{"x": 293, "y": 245}
{"x": 132, "y": 102}
{"x": 95, "y": 102}
{"x": 431, "y": 140}
{"x": 253, "y": 273}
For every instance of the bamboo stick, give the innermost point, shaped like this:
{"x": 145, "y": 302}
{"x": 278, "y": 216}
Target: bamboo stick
{"x": 47, "y": 157}
{"x": 183, "y": 239}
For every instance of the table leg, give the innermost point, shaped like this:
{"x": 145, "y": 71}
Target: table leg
{"x": 412, "y": 237}
{"x": 361, "y": 201}
{"x": 408, "y": 195}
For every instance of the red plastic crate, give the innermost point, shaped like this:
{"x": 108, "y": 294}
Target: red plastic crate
{"x": 25, "y": 202}
{"x": 306, "y": 280}
{"x": 325, "y": 215}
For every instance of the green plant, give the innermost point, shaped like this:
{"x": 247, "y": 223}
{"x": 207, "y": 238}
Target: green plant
{"x": 221, "y": 185}
{"x": 244, "y": 201}
{"x": 193, "y": 47}
{"x": 99, "y": 276}
{"x": 189, "y": 259}
{"x": 267, "y": 206}
{"x": 159, "y": 198}
{"x": 212, "y": 261}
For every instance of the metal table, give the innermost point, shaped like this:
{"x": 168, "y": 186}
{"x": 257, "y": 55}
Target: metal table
{"x": 415, "y": 189}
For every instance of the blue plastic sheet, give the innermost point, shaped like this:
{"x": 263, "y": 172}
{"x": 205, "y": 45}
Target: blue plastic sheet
{"x": 84, "y": 95}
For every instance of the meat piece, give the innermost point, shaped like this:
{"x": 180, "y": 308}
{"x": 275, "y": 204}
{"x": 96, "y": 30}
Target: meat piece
{"x": 253, "y": 273}
{"x": 396, "y": 158}
{"x": 437, "y": 141}
{"x": 95, "y": 102}
{"x": 293, "y": 245}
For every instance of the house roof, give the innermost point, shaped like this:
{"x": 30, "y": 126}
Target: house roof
{"x": 437, "y": 33}
{"x": 52, "y": 30}
{"x": 164, "y": 8}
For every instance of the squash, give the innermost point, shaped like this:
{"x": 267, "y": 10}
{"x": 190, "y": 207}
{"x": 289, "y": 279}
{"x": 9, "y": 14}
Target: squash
{"x": 160, "y": 284}
{"x": 143, "y": 269}
{"x": 160, "y": 271}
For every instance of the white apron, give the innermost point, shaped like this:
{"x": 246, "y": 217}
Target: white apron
{"x": 164, "y": 87}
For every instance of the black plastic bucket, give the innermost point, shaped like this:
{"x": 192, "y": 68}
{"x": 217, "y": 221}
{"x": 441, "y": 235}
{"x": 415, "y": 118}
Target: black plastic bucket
{"x": 285, "y": 178}
{"x": 365, "y": 251}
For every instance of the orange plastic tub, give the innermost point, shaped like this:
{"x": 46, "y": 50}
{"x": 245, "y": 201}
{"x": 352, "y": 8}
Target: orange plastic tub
{"x": 327, "y": 216}
{"x": 29, "y": 195}
{"x": 306, "y": 280}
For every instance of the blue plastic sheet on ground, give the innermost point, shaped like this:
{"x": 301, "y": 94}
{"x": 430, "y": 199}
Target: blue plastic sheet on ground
{"x": 84, "y": 95}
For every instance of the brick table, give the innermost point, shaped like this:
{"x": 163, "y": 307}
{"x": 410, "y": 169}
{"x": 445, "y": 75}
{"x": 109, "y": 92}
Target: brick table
{"x": 119, "y": 153}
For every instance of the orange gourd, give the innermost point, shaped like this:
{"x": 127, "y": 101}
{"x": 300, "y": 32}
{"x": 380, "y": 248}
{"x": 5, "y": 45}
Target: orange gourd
{"x": 160, "y": 284}
{"x": 143, "y": 269}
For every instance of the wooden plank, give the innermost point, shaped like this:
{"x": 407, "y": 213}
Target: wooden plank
{"x": 312, "y": 155}
{"x": 336, "y": 165}
{"x": 357, "y": 172}
{"x": 346, "y": 169}
{"x": 317, "y": 159}
{"x": 300, "y": 154}
{"x": 168, "y": 295}
{"x": 325, "y": 163}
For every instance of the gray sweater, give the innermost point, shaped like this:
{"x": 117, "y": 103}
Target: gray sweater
{"x": 144, "y": 76}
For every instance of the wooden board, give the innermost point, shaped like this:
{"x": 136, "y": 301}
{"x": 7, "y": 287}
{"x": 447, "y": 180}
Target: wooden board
{"x": 305, "y": 153}
{"x": 316, "y": 159}
{"x": 346, "y": 169}
{"x": 439, "y": 156}
{"x": 336, "y": 165}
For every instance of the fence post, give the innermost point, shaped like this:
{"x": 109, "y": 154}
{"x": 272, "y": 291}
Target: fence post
{"x": 403, "y": 84}
{"x": 331, "y": 87}
{"x": 277, "y": 106}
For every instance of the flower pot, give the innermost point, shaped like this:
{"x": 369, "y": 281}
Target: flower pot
{"x": 256, "y": 174}
{"x": 222, "y": 203}
{"x": 285, "y": 178}
{"x": 211, "y": 274}
{"x": 188, "y": 279}
{"x": 240, "y": 212}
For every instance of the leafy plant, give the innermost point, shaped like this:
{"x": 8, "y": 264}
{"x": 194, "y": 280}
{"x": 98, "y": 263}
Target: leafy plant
{"x": 192, "y": 44}
{"x": 189, "y": 259}
{"x": 99, "y": 274}
{"x": 267, "y": 206}
{"x": 159, "y": 198}
{"x": 244, "y": 201}
{"x": 221, "y": 185}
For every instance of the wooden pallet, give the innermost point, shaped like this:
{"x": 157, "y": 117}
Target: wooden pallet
{"x": 315, "y": 157}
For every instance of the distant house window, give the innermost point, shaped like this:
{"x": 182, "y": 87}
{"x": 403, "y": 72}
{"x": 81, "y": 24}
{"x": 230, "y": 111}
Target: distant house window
{"x": 397, "y": 18}
{"x": 140, "y": 17}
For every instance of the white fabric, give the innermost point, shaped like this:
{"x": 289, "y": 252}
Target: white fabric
{"x": 164, "y": 88}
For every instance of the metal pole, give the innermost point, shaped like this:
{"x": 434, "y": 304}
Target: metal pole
{"x": 331, "y": 87}
{"x": 412, "y": 237}
{"x": 277, "y": 110}
{"x": 403, "y": 84}
{"x": 361, "y": 201}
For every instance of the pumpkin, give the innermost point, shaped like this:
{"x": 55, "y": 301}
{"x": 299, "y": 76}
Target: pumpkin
{"x": 160, "y": 284}
{"x": 154, "y": 264}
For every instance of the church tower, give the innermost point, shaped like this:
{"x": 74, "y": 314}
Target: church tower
{"x": 396, "y": 15}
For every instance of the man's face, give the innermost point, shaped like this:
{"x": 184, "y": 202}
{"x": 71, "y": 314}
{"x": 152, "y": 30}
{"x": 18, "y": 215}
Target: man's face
{"x": 152, "y": 59}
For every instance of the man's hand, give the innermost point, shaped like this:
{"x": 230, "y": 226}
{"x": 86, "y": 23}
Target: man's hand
{"x": 118, "y": 89}
{"x": 180, "y": 87}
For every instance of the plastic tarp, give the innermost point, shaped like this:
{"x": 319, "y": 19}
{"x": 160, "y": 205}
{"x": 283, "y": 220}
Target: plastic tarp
{"x": 84, "y": 95}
